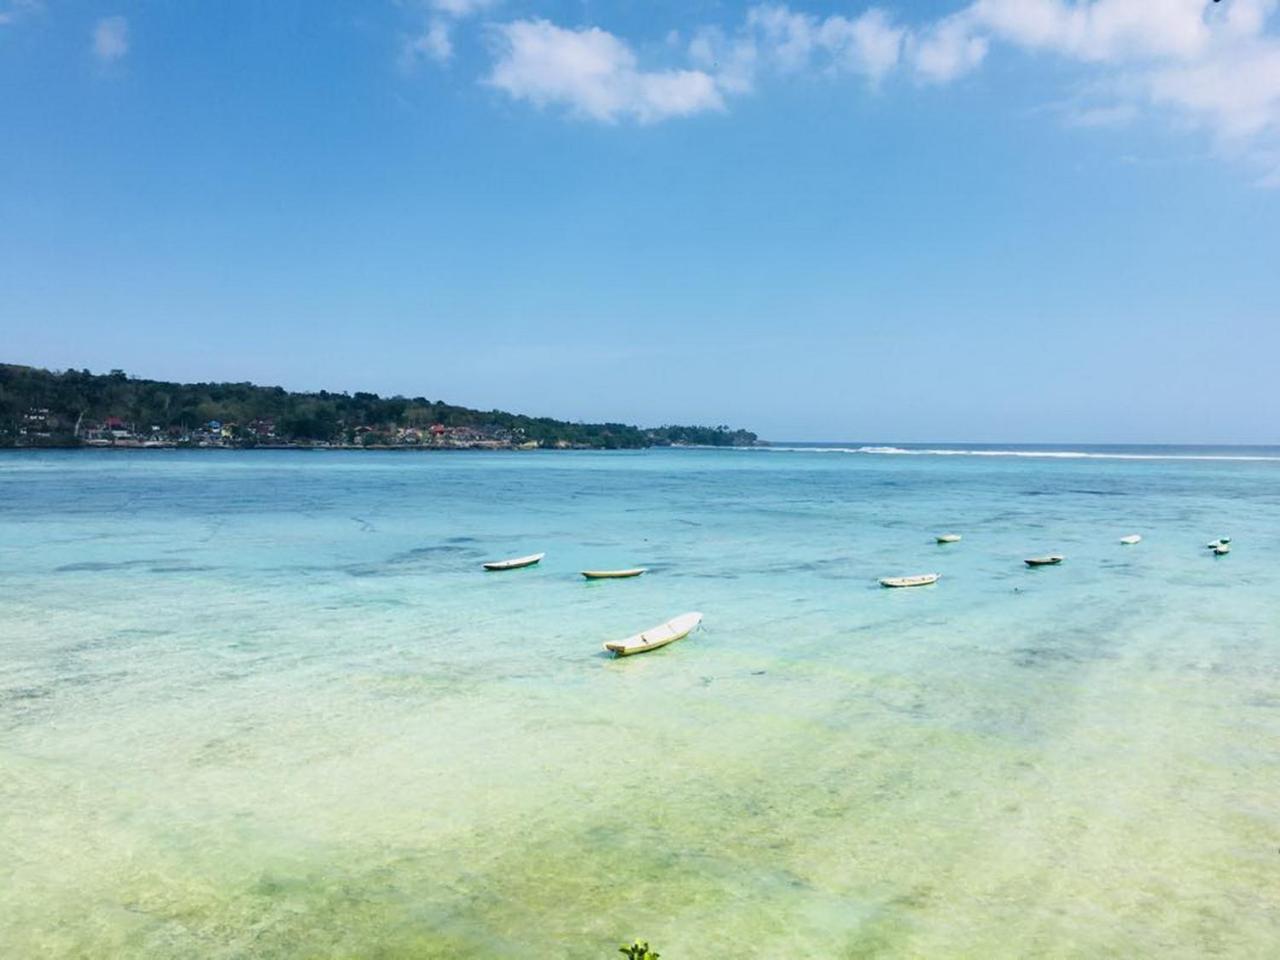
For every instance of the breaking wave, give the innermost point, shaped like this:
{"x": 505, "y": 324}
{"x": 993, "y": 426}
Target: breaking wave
{"x": 1039, "y": 454}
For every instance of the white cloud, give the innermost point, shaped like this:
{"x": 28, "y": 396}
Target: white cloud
{"x": 435, "y": 40}
{"x": 778, "y": 38}
{"x": 434, "y": 43}
{"x": 1213, "y": 66}
{"x": 946, "y": 50}
{"x": 593, "y": 74}
{"x": 733, "y": 61}
{"x": 461, "y": 8}
{"x": 1235, "y": 92}
{"x": 1097, "y": 29}
{"x": 870, "y": 44}
{"x": 110, "y": 39}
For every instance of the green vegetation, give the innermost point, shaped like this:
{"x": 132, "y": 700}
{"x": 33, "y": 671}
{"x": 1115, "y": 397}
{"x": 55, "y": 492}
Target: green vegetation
{"x": 638, "y": 951}
{"x": 702, "y": 436}
{"x": 46, "y": 408}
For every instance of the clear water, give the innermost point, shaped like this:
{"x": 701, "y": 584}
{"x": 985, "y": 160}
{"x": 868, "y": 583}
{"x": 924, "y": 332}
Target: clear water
{"x": 268, "y": 705}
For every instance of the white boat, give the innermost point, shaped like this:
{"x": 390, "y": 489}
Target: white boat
{"x": 1051, "y": 560}
{"x": 1131, "y": 538}
{"x": 919, "y": 580}
{"x": 515, "y": 563}
{"x": 949, "y": 538}
{"x": 614, "y": 574}
{"x": 1221, "y": 549}
{"x": 675, "y": 629}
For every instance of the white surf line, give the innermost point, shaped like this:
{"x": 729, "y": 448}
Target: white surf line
{"x": 1032, "y": 454}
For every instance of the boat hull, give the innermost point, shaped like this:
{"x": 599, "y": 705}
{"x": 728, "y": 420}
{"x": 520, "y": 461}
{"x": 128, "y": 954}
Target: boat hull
{"x": 517, "y": 563}
{"x": 655, "y": 637}
{"x": 1043, "y": 561}
{"x": 613, "y": 574}
{"x": 923, "y": 580}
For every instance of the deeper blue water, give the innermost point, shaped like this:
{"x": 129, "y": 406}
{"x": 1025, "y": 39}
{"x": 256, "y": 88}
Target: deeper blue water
{"x": 267, "y": 704}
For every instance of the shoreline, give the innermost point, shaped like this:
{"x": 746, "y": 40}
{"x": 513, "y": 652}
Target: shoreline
{"x": 394, "y": 448}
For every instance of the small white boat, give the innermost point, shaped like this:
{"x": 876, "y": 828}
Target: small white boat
{"x": 949, "y": 538}
{"x": 1132, "y": 538}
{"x": 1051, "y": 560}
{"x": 614, "y": 574}
{"x": 655, "y": 637}
{"x": 919, "y": 580}
{"x": 514, "y": 563}
{"x": 1221, "y": 549}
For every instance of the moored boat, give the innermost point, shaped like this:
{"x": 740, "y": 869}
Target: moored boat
{"x": 919, "y": 580}
{"x": 949, "y": 538}
{"x": 674, "y": 629}
{"x": 1051, "y": 560}
{"x": 515, "y": 563}
{"x": 614, "y": 574}
{"x": 1221, "y": 549}
{"x": 1132, "y": 538}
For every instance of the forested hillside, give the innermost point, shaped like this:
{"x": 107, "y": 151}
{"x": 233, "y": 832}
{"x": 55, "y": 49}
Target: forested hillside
{"x": 46, "y": 408}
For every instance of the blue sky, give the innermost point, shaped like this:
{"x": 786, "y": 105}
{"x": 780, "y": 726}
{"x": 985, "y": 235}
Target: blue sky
{"x": 998, "y": 220}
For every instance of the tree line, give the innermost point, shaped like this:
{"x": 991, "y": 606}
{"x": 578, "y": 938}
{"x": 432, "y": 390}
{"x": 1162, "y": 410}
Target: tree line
{"x": 74, "y": 397}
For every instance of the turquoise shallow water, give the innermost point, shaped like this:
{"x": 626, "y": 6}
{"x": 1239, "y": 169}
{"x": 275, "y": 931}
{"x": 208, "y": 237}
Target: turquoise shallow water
{"x": 267, "y": 705}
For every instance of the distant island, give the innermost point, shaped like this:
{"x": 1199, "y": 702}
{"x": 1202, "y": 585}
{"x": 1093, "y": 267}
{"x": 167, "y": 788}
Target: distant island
{"x": 76, "y": 408}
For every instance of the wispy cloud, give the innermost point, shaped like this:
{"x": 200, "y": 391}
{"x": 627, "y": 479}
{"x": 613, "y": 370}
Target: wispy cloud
{"x": 13, "y": 10}
{"x": 435, "y": 40}
{"x": 1111, "y": 115}
{"x": 1212, "y": 66}
{"x": 946, "y": 50}
{"x": 110, "y": 39}
{"x": 462, "y": 8}
{"x": 593, "y": 74}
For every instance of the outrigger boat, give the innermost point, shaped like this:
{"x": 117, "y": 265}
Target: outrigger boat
{"x": 614, "y": 574}
{"x": 920, "y": 580}
{"x": 515, "y": 563}
{"x": 1052, "y": 560}
{"x": 655, "y": 637}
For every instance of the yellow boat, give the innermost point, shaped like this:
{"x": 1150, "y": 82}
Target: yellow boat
{"x": 675, "y": 629}
{"x": 515, "y": 563}
{"x": 614, "y": 574}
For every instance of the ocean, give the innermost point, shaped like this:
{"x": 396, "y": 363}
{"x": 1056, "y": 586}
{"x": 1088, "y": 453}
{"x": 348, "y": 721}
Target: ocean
{"x": 268, "y": 705}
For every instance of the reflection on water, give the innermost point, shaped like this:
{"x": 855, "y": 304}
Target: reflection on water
{"x": 267, "y": 705}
